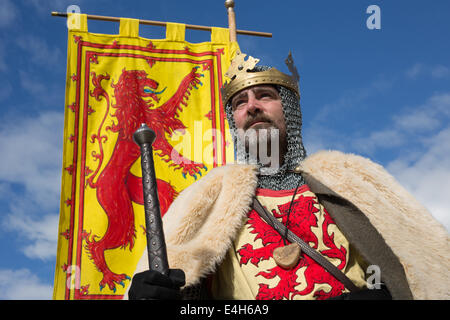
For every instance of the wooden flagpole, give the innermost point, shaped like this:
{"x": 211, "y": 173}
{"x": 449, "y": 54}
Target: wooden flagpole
{"x": 163, "y": 24}
{"x": 229, "y": 4}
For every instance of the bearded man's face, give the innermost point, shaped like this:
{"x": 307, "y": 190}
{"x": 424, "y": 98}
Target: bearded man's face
{"x": 258, "y": 110}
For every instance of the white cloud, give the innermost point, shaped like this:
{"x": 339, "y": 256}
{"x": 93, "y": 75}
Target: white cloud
{"x": 30, "y": 175}
{"x": 428, "y": 177}
{"x": 420, "y": 137}
{"x": 43, "y": 92}
{"x": 414, "y": 71}
{"x": 39, "y": 235}
{"x": 22, "y": 284}
{"x": 414, "y": 124}
{"x": 32, "y": 85}
{"x": 426, "y": 117}
{"x": 440, "y": 71}
{"x": 441, "y": 103}
{"x": 424, "y": 167}
{"x": 436, "y": 71}
{"x": 39, "y": 51}
{"x": 389, "y": 138}
{"x": 32, "y": 156}
{"x": 417, "y": 120}
{"x": 8, "y": 13}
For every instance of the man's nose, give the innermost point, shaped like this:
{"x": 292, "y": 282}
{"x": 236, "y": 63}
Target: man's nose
{"x": 253, "y": 104}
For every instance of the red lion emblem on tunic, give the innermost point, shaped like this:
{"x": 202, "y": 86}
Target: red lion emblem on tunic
{"x": 135, "y": 96}
{"x": 301, "y": 220}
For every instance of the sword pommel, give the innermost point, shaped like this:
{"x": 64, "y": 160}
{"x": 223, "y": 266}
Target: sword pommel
{"x": 144, "y": 135}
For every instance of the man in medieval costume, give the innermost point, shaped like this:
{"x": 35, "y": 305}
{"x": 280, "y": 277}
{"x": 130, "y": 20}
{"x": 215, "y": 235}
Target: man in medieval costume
{"x": 286, "y": 226}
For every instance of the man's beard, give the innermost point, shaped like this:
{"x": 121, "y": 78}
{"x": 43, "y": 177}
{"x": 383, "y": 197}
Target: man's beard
{"x": 263, "y": 142}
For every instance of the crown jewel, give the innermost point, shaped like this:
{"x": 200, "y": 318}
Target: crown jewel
{"x": 241, "y": 76}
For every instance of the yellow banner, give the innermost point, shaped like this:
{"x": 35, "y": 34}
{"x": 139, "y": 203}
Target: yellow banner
{"x": 115, "y": 83}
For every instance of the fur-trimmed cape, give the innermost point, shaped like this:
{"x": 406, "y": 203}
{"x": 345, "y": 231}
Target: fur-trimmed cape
{"x": 379, "y": 217}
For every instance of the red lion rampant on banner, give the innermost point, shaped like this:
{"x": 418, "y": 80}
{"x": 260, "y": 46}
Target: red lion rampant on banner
{"x": 116, "y": 187}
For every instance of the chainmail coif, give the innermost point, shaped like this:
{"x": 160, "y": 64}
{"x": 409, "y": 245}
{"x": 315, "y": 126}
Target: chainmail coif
{"x": 284, "y": 178}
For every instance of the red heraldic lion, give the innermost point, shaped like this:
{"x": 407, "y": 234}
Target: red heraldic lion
{"x": 116, "y": 187}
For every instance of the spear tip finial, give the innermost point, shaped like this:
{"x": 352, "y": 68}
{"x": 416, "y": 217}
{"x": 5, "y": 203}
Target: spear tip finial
{"x": 229, "y": 4}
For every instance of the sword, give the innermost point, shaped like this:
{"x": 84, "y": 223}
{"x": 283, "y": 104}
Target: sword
{"x": 156, "y": 245}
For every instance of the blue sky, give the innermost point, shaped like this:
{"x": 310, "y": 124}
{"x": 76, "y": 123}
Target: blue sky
{"x": 383, "y": 94}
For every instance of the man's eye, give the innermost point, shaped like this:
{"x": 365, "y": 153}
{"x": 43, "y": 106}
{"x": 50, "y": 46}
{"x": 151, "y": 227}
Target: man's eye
{"x": 238, "y": 104}
{"x": 266, "y": 95}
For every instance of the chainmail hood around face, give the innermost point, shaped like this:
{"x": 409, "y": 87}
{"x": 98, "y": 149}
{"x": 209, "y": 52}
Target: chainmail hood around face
{"x": 284, "y": 178}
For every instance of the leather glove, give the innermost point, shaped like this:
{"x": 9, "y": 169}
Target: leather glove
{"x": 152, "y": 284}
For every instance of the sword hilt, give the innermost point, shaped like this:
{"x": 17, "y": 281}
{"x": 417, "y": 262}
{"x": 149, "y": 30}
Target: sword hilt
{"x": 156, "y": 245}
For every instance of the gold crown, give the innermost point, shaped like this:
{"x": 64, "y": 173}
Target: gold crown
{"x": 241, "y": 78}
